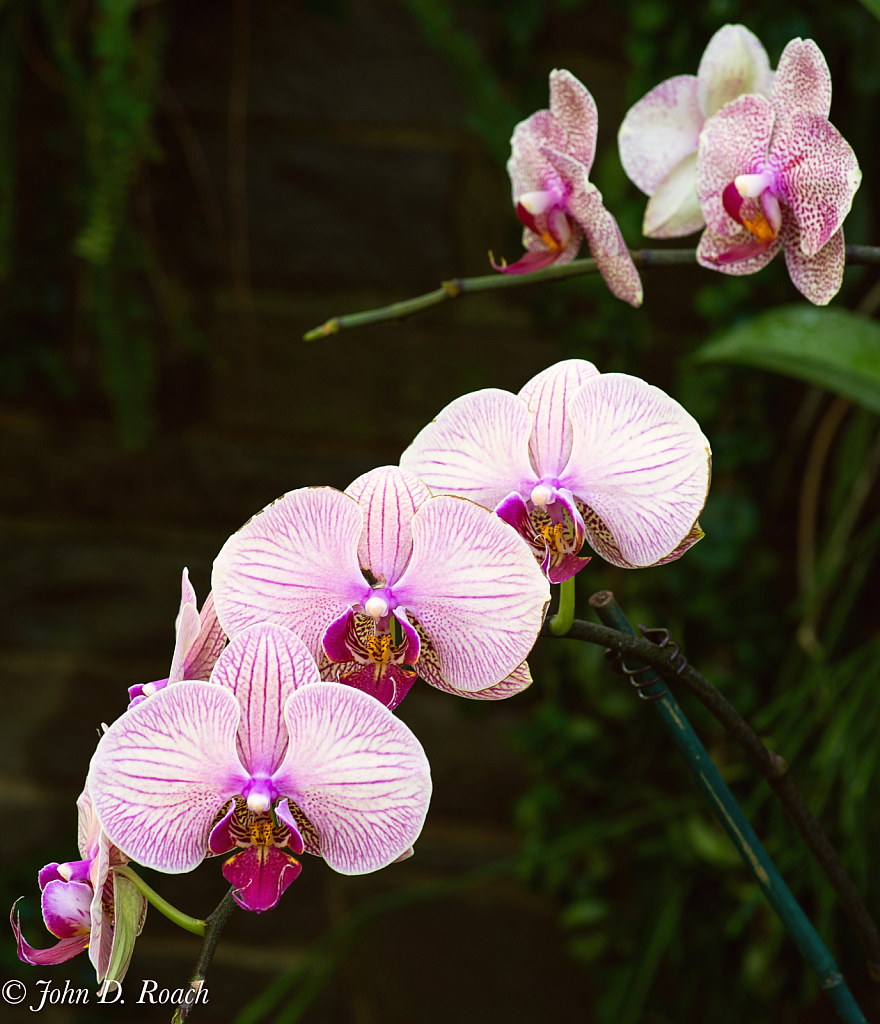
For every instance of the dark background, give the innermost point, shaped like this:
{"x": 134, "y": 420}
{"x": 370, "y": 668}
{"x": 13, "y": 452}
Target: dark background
{"x": 186, "y": 188}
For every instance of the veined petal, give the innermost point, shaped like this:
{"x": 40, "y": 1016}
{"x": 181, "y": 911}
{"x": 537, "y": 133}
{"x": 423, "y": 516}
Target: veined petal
{"x": 733, "y": 63}
{"x": 163, "y": 770}
{"x": 660, "y": 131}
{"x": 262, "y": 666}
{"x": 66, "y": 908}
{"x": 57, "y": 954}
{"x": 187, "y": 596}
{"x": 674, "y": 209}
{"x": 734, "y": 141}
{"x": 475, "y": 589}
{"x": 802, "y": 80}
{"x": 477, "y": 448}
{"x": 714, "y": 252}
{"x": 546, "y": 395}
{"x": 388, "y": 498}
{"x": 574, "y": 110}
{"x": 518, "y": 680}
{"x": 295, "y": 563}
{"x": 188, "y": 625}
{"x": 101, "y": 943}
{"x": 818, "y": 277}
{"x": 817, "y": 173}
{"x": 88, "y": 826}
{"x": 640, "y": 463}
{"x": 358, "y": 774}
{"x": 209, "y": 644}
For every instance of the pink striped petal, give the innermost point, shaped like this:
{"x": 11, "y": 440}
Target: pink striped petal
{"x": 188, "y": 625}
{"x": 518, "y": 680}
{"x": 660, "y": 131}
{"x": 388, "y": 499}
{"x": 162, "y": 772}
{"x": 209, "y": 644}
{"x": 574, "y": 110}
{"x": 674, "y": 209}
{"x": 88, "y": 826}
{"x": 101, "y": 943}
{"x": 818, "y": 277}
{"x": 733, "y": 63}
{"x": 802, "y": 80}
{"x": 546, "y": 395}
{"x": 641, "y": 465}
{"x": 357, "y": 773}
{"x": 715, "y": 251}
{"x": 733, "y": 142}
{"x": 295, "y": 564}
{"x": 57, "y": 954}
{"x": 475, "y": 589}
{"x": 187, "y": 596}
{"x": 66, "y": 908}
{"x": 817, "y": 174}
{"x": 477, "y": 448}
{"x": 262, "y": 666}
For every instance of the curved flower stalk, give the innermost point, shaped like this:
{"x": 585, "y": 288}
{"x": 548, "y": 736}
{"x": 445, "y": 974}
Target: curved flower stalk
{"x": 576, "y": 455}
{"x": 87, "y": 905}
{"x": 198, "y": 643}
{"x": 659, "y": 136}
{"x": 775, "y": 172}
{"x": 549, "y": 167}
{"x": 385, "y": 581}
{"x": 262, "y": 757}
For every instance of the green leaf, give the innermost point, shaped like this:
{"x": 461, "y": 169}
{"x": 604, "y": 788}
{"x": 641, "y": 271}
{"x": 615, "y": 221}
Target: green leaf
{"x": 834, "y": 348}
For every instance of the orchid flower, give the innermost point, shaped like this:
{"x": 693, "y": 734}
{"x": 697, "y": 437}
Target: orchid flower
{"x": 775, "y": 172}
{"x": 198, "y": 643}
{"x": 659, "y": 136}
{"x": 87, "y": 905}
{"x": 575, "y": 455}
{"x": 385, "y": 581}
{"x": 552, "y": 153}
{"x": 262, "y": 757}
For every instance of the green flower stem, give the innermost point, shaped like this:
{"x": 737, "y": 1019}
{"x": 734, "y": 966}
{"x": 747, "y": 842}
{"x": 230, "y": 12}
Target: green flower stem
{"x": 190, "y": 924}
{"x": 643, "y": 258}
{"x": 728, "y": 812}
{"x": 561, "y": 622}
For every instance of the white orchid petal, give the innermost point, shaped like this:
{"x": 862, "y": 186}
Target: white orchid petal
{"x": 674, "y": 208}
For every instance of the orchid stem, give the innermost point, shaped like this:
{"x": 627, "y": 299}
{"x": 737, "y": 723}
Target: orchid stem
{"x": 643, "y": 258}
{"x": 214, "y": 925}
{"x": 190, "y": 924}
{"x": 561, "y": 622}
{"x": 729, "y": 813}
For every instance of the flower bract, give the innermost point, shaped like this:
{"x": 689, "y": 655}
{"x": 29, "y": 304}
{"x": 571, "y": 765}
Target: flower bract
{"x": 549, "y": 167}
{"x": 575, "y": 455}
{"x": 385, "y": 581}
{"x": 659, "y": 137}
{"x": 774, "y": 173}
{"x": 264, "y": 755}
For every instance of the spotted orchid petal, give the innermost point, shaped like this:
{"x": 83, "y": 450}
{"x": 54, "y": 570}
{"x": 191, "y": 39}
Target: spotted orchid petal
{"x": 164, "y": 769}
{"x": 607, "y": 245}
{"x": 574, "y": 111}
{"x": 817, "y": 277}
{"x": 802, "y": 80}
{"x": 357, "y": 772}
{"x": 547, "y": 395}
{"x": 481, "y": 603}
{"x": 528, "y": 168}
{"x": 66, "y": 908}
{"x": 63, "y": 950}
{"x": 640, "y": 465}
{"x": 388, "y": 499}
{"x": 262, "y": 666}
{"x": 733, "y": 63}
{"x": 674, "y": 208}
{"x": 660, "y": 131}
{"x": 295, "y": 564}
{"x": 260, "y": 875}
{"x": 476, "y": 448}
{"x": 732, "y": 142}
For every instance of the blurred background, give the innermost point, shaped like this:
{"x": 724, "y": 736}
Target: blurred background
{"x": 187, "y": 187}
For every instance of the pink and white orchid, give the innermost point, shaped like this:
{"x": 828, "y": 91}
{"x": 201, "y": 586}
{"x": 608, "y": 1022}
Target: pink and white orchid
{"x": 263, "y": 756}
{"x": 385, "y": 581}
{"x": 775, "y": 172}
{"x": 88, "y": 905}
{"x": 659, "y": 136}
{"x": 575, "y": 455}
{"x": 552, "y": 153}
{"x": 198, "y": 643}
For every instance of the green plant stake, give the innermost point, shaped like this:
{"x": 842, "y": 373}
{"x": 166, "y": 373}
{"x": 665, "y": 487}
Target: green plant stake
{"x": 708, "y": 778}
